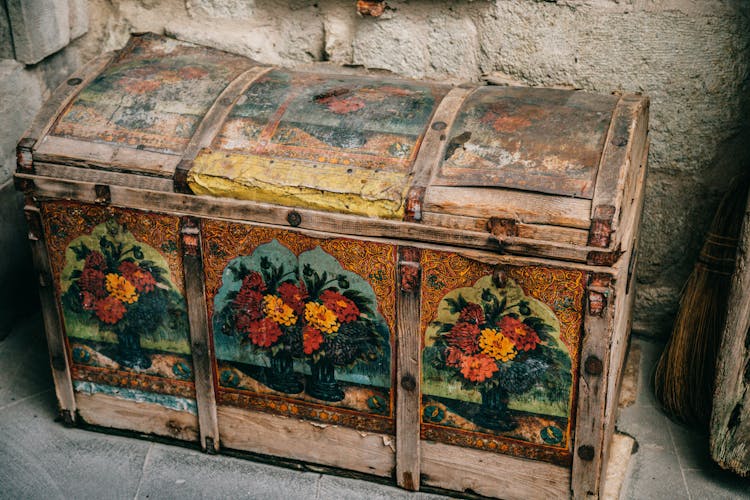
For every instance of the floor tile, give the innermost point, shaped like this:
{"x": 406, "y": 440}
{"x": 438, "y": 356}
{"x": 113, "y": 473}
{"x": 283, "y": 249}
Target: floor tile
{"x": 655, "y": 474}
{"x": 40, "y": 458}
{"x": 24, "y": 362}
{"x": 174, "y": 472}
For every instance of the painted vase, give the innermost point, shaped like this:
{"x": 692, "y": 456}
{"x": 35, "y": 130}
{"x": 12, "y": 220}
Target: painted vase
{"x": 280, "y": 375}
{"x": 323, "y": 384}
{"x": 494, "y": 413}
{"x": 129, "y": 351}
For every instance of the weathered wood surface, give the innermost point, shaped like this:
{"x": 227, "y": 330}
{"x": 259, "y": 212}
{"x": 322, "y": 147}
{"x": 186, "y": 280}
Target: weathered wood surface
{"x": 538, "y": 140}
{"x": 84, "y": 154}
{"x": 432, "y": 150}
{"x": 64, "y": 94}
{"x": 200, "y": 344}
{"x": 730, "y": 418}
{"x": 149, "y": 418}
{"x": 98, "y": 176}
{"x": 213, "y": 120}
{"x": 527, "y": 207}
{"x": 408, "y": 371}
{"x": 490, "y": 474}
{"x": 53, "y": 323}
{"x": 314, "y": 442}
{"x": 623, "y": 147}
{"x": 588, "y": 448}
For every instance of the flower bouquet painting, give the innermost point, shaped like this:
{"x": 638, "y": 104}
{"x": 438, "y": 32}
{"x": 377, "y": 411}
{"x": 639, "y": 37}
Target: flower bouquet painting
{"x": 305, "y": 308}
{"x": 497, "y": 344}
{"x": 118, "y": 286}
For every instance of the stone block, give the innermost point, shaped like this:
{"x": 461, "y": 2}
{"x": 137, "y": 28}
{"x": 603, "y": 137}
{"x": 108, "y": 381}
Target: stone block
{"x": 78, "y": 18}
{"x": 20, "y": 98}
{"x": 6, "y": 39}
{"x": 222, "y": 9}
{"x": 39, "y": 27}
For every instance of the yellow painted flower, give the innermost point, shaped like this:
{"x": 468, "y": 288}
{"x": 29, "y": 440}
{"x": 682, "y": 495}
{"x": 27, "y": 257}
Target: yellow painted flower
{"x": 278, "y": 311}
{"x": 120, "y": 288}
{"x": 496, "y": 345}
{"x": 320, "y": 317}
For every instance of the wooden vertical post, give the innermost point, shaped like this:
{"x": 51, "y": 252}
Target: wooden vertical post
{"x": 53, "y": 324}
{"x": 202, "y": 350}
{"x": 592, "y": 388}
{"x": 409, "y": 371}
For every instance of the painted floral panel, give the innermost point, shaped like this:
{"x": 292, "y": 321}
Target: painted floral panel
{"x": 120, "y": 281}
{"x": 499, "y": 355}
{"x": 301, "y": 325}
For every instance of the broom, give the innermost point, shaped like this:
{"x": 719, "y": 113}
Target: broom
{"x": 684, "y": 376}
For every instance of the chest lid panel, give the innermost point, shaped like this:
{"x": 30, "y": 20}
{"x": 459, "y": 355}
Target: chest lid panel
{"x": 539, "y": 140}
{"x": 338, "y": 143}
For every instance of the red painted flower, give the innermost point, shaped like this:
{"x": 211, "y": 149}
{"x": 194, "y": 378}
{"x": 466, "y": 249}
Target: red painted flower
{"x": 294, "y": 296}
{"x": 92, "y": 281}
{"x": 95, "y": 260}
{"x": 311, "y": 339}
{"x": 264, "y": 332}
{"x": 345, "y": 310}
{"x": 478, "y": 368}
{"x": 464, "y": 336}
{"x": 522, "y": 335}
{"x": 110, "y": 310}
{"x": 453, "y": 357}
{"x": 472, "y": 313}
{"x": 254, "y": 281}
{"x": 249, "y": 303}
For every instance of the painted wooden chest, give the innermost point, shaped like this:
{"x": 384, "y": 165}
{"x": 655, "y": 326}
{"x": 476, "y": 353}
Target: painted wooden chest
{"x": 400, "y": 278}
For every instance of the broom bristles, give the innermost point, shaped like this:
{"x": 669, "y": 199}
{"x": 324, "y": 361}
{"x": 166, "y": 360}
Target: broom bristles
{"x": 684, "y": 376}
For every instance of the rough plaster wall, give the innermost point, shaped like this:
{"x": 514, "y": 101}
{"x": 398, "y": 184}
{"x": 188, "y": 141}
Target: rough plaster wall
{"x": 690, "y": 56}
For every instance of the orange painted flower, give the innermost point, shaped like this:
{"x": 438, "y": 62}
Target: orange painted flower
{"x": 110, "y": 310}
{"x": 277, "y": 310}
{"x": 464, "y": 336}
{"x": 143, "y": 280}
{"x": 311, "y": 339}
{"x": 264, "y": 332}
{"x": 495, "y": 345}
{"x": 478, "y": 368}
{"x": 524, "y": 337}
{"x": 320, "y": 317}
{"x": 120, "y": 288}
{"x": 345, "y": 309}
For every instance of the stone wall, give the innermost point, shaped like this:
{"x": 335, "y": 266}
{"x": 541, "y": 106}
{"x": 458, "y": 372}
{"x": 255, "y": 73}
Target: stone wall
{"x": 691, "y": 57}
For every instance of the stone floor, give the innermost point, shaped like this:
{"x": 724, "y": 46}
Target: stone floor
{"x": 40, "y": 458}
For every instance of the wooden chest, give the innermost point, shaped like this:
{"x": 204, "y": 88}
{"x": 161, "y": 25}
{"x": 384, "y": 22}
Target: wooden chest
{"x": 399, "y": 278}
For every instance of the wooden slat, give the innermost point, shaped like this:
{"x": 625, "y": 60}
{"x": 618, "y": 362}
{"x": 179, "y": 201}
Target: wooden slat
{"x": 86, "y": 154}
{"x": 432, "y": 149}
{"x": 53, "y": 324}
{"x": 542, "y": 232}
{"x": 408, "y": 371}
{"x": 149, "y": 418}
{"x": 212, "y": 122}
{"x": 200, "y": 344}
{"x": 491, "y": 474}
{"x": 102, "y": 177}
{"x": 730, "y": 419}
{"x": 530, "y": 208}
{"x": 64, "y": 94}
{"x": 314, "y": 442}
{"x": 592, "y": 389}
{"x": 614, "y": 166}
